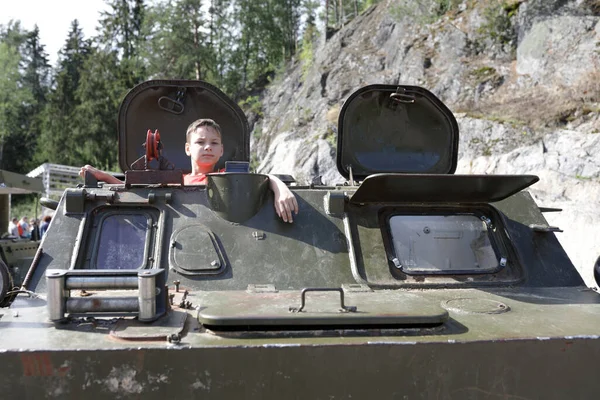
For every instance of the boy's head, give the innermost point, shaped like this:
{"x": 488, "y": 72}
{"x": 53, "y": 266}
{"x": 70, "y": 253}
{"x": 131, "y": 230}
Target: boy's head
{"x": 204, "y": 145}
{"x": 194, "y": 126}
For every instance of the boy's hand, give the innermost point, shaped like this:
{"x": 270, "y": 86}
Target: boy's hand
{"x": 89, "y": 169}
{"x": 285, "y": 201}
{"x": 99, "y": 175}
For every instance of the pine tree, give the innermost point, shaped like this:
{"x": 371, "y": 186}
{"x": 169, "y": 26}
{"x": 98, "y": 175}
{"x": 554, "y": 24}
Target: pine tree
{"x": 12, "y": 96}
{"x": 57, "y": 143}
{"x": 220, "y": 40}
{"x": 114, "y": 65}
{"x": 123, "y": 27}
{"x": 98, "y": 97}
{"x": 15, "y": 99}
{"x": 180, "y": 44}
{"x": 36, "y": 78}
{"x": 123, "y": 32}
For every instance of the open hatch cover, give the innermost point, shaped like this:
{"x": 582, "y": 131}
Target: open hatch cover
{"x": 395, "y": 129}
{"x": 229, "y": 309}
{"x": 386, "y": 188}
{"x": 170, "y": 106}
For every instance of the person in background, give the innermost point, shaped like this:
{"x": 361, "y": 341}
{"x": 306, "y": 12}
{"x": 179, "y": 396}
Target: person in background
{"x": 24, "y": 227}
{"x": 34, "y": 234}
{"x": 44, "y": 225}
{"x": 13, "y": 227}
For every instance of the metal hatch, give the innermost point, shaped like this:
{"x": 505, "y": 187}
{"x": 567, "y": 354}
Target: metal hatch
{"x": 322, "y": 308}
{"x": 385, "y": 188}
{"x": 389, "y": 128}
{"x": 170, "y": 106}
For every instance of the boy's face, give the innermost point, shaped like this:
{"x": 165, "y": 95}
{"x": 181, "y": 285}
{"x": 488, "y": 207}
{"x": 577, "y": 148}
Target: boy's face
{"x": 205, "y": 147}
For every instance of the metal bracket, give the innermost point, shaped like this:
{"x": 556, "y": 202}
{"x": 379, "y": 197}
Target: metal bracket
{"x": 258, "y": 235}
{"x": 149, "y": 304}
{"x": 544, "y": 228}
{"x": 335, "y": 203}
{"x": 75, "y": 201}
{"x": 549, "y": 209}
{"x": 156, "y": 197}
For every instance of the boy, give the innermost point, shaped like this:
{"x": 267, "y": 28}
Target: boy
{"x": 205, "y": 148}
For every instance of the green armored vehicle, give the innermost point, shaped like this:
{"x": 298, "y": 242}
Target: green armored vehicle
{"x": 406, "y": 282}
{"x": 16, "y": 254}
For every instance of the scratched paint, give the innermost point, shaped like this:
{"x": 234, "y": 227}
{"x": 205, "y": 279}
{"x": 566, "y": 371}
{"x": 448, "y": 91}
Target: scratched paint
{"x": 122, "y": 380}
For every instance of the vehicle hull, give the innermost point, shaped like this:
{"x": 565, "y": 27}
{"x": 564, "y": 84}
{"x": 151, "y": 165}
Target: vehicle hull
{"x": 556, "y": 368}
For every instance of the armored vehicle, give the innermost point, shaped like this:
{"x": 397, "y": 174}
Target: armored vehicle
{"x": 407, "y": 281}
{"x": 16, "y": 254}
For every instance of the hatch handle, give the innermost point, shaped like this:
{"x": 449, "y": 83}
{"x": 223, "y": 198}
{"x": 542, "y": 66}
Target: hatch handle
{"x": 402, "y": 97}
{"x": 343, "y": 308}
{"x": 170, "y": 105}
{"x": 174, "y": 106}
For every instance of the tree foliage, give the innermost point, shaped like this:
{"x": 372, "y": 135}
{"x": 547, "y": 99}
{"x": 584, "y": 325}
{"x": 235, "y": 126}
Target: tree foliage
{"x": 68, "y": 114}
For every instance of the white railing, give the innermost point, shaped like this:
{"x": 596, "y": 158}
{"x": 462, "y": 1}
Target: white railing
{"x": 56, "y": 178}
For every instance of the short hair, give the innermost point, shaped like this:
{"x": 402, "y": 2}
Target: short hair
{"x": 199, "y": 123}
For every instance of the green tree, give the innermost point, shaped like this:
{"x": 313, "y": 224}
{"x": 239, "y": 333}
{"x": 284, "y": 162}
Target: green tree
{"x": 309, "y": 36}
{"x": 287, "y": 19}
{"x": 220, "y": 40}
{"x": 12, "y": 96}
{"x": 99, "y": 94}
{"x": 35, "y": 79}
{"x": 56, "y": 143}
{"x": 13, "y": 36}
{"x": 113, "y": 66}
{"x": 179, "y": 44}
{"x": 266, "y": 38}
{"x": 122, "y": 27}
{"x": 337, "y": 13}
{"x": 123, "y": 32}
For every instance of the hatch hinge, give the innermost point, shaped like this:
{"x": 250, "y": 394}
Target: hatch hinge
{"x": 351, "y": 175}
{"x": 356, "y": 288}
{"x": 264, "y": 288}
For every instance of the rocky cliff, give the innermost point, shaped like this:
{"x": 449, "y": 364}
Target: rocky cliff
{"x": 522, "y": 78}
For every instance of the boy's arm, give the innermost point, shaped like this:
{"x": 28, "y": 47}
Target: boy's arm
{"x": 99, "y": 175}
{"x": 285, "y": 201}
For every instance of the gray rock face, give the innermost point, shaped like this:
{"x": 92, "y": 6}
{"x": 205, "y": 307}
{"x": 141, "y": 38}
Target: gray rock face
{"x": 553, "y": 69}
{"x": 562, "y": 50}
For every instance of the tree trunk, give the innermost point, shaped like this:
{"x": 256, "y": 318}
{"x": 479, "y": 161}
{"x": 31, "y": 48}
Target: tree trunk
{"x": 326, "y": 16}
{"x": 196, "y": 49}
